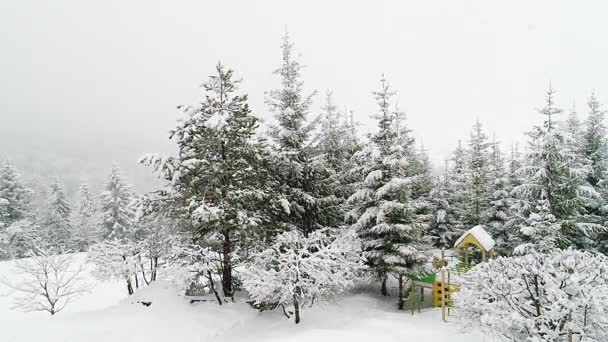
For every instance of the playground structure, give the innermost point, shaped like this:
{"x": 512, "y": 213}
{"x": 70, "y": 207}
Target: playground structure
{"x": 473, "y": 247}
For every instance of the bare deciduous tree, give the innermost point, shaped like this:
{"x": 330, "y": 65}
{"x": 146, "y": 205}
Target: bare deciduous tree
{"x": 45, "y": 282}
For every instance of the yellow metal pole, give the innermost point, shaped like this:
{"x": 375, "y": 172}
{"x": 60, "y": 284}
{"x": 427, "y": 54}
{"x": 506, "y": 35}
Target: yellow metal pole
{"x": 448, "y": 292}
{"x": 443, "y": 295}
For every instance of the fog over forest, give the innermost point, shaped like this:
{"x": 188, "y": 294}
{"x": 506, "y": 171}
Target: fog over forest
{"x": 86, "y": 84}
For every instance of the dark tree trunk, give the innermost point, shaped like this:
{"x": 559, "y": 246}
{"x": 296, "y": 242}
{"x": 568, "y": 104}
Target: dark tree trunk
{"x": 154, "y": 266}
{"x": 401, "y": 303}
{"x": 227, "y": 287}
{"x": 212, "y": 286}
{"x": 129, "y": 287}
{"x": 383, "y": 289}
{"x": 296, "y": 309}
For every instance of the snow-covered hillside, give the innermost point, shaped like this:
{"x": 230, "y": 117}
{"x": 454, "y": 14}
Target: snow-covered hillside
{"x": 106, "y": 314}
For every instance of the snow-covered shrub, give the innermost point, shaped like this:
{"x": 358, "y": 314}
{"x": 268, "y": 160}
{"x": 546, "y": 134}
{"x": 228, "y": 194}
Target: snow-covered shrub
{"x": 115, "y": 259}
{"x": 561, "y": 296}
{"x": 296, "y": 271}
{"x": 189, "y": 265}
{"x": 45, "y": 282}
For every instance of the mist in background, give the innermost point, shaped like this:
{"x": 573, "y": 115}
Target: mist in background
{"x": 84, "y": 84}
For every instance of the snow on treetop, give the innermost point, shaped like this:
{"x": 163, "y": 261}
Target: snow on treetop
{"x": 480, "y": 235}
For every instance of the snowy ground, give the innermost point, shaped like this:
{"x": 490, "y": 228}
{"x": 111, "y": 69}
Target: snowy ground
{"x": 107, "y": 315}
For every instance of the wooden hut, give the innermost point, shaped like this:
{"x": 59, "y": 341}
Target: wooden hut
{"x": 478, "y": 237}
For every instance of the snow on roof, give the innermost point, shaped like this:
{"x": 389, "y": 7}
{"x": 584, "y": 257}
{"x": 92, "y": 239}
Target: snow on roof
{"x": 480, "y": 235}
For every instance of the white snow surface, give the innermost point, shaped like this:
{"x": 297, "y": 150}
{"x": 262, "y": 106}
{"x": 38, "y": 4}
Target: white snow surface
{"x": 481, "y": 235}
{"x": 107, "y": 314}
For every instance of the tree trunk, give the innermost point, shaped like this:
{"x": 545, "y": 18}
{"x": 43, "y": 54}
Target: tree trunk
{"x": 296, "y": 307}
{"x": 129, "y": 287}
{"x": 227, "y": 287}
{"x": 212, "y": 286}
{"x": 383, "y": 289}
{"x": 401, "y": 303}
{"x": 154, "y": 266}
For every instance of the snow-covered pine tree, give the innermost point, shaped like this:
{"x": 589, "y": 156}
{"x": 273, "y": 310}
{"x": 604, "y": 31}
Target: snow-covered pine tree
{"x": 221, "y": 174}
{"x": 476, "y": 176}
{"x": 332, "y": 135}
{"x": 56, "y": 223}
{"x": 554, "y": 185}
{"x": 352, "y": 147}
{"x": 424, "y": 171}
{"x": 4, "y": 212}
{"x": 457, "y": 189}
{"x": 519, "y": 206}
{"x": 514, "y": 164}
{"x": 498, "y": 213}
{"x": 298, "y": 177}
{"x": 333, "y": 151}
{"x": 538, "y": 232}
{"x": 115, "y": 202}
{"x": 14, "y": 195}
{"x": 595, "y": 145}
{"x": 85, "y": 223}
{"x": 442, "y": 224}
{"x": 394, "y": 239}
{"x": 595, "y": 153}
{"x": 574, "y": 133}
{"x": 15, "y": 206}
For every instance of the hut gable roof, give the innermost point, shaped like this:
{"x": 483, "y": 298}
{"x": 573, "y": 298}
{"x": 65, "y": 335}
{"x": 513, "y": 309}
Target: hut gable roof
{"x": 480, "y": 234}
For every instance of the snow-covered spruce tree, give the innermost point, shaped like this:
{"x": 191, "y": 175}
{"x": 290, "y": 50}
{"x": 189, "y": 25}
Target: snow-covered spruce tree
{"x": 442, "y": 224}
{"x": 4, "y": 212}
{"x": 20, "y": 238}
{"x": 514, "y": 165}
{"x": 574, "y": 133}
{"x": 308, "y": 206}
{"x": 55, "y": 223}
{"x": 296, "y": 270}
{"x": 538, "y": 231}
{"x": 476, "y": 176}
{"x": 352, "y": 146}
{"x": 559, "y": 297}
{"x": 14, "y": 211}
{"x": 595, "y": 152}
{"x": 457, "y": 189}
{"x": 553, "y": 179}
{"x": 332, "y": 152}
{"x": 221, "y": 174}
{"x": 116, "y": 206}
{"x": 116, "y": 256}
{"x": 332, "y": 134}
{"x": 394, "y": 237}
{"x": 85, "y": 220}
{"x": 14, "y": 196}
{"x": 498, "y": 213}
{"x": 595, "y": 145}
{"x": 424, "y": 171}
{"x": 519, "y": 206}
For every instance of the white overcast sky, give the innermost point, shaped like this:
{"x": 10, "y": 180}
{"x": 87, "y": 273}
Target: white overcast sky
{"x": 104, "y": 77}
